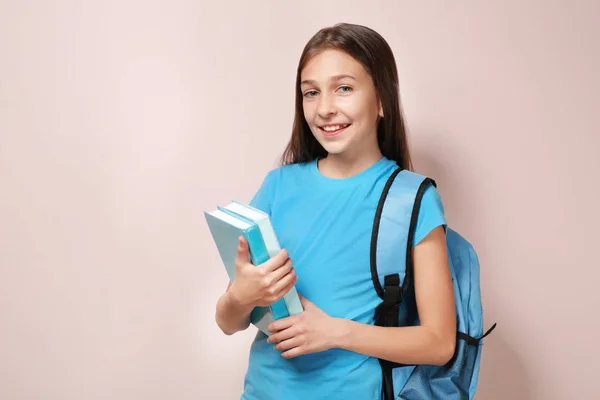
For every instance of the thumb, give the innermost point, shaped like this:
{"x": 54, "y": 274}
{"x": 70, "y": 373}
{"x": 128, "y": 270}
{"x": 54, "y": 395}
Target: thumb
{"x": 242, "y": 250}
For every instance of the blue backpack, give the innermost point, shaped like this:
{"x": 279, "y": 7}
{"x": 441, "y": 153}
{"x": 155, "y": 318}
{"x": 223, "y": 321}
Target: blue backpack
{"x": 393, "y": 232}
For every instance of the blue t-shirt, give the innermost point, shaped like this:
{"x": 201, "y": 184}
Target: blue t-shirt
{"x": 326, "y": 225}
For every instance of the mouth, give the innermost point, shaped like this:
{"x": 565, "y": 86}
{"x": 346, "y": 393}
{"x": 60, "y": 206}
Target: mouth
{"x": 333, "y": 130}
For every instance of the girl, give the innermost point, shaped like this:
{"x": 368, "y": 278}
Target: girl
{"x": 347, "y": 138}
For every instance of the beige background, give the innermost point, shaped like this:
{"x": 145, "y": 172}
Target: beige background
{"x": 121, "y": 121}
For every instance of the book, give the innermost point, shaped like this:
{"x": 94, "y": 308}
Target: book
{"x": 291, "y": 299}
{"x": 226, "y": 225}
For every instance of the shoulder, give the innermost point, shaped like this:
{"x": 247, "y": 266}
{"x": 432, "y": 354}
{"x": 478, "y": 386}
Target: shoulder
{"x": 432, "y": 200}
{"x": 431, "y": 214}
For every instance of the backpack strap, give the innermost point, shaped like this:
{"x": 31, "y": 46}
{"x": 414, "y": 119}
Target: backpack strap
{"x": 392, "y": 237}
{"x": 391, "y": 257}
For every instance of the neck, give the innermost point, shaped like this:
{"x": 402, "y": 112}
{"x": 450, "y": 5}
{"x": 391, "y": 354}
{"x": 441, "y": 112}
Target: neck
{"x": 347, "y": 165}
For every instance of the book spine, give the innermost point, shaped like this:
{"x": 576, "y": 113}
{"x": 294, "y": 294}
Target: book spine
{"x": 291, "y": 298}
{"x": 259, "y": 255}
{"x": 258, "y": 251}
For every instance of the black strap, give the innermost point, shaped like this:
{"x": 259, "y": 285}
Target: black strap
{"x": 392, "y": 299}
{"x": 375, "y": 232}
{"x": 388, "y": 381}
{"x": 411, "y": 233}
{"x": 388, "y": 311}
{"x": 475, "y": 341}
{"x": 488, "y": 332}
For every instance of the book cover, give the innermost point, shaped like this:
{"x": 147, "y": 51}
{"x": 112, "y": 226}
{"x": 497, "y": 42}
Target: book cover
{"x": 279, "y": 308}
{"x": 291, "y": 299}
{"x": 225, "y": 230}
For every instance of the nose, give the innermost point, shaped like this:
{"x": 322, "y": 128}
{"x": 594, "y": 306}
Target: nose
{"x": 327, "y": 106}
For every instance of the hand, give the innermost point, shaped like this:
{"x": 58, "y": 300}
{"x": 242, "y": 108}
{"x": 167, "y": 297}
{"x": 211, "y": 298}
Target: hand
{"x": 264, "y": 284}
{"x": 309, "y": 332}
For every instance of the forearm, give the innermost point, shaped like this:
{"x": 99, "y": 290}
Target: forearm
{"x": 230, "y": 316}
{"x": 406, "y": 345}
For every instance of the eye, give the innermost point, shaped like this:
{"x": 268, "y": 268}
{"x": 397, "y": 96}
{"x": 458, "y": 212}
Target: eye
{"x": 345, "y": 89}
{"x": 310, "y": 93}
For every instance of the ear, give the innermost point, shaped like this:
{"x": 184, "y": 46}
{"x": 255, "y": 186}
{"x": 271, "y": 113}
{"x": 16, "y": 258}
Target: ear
{"x": 380, "y": 110}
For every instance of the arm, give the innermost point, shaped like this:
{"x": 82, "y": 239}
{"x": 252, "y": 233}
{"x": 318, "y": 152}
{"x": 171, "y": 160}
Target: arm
{"x": 231, "y": 316}
{"x": 432, "y": 342}
{"x": 260, "y": 285}
{"x": 254, "y": 287}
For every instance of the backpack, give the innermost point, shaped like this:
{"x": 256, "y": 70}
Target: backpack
{"x": 393, "y": 231}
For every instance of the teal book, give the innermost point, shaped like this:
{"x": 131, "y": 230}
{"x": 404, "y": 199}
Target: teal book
{"x": 225, "y": 228}
{"x": 291, "y": 304}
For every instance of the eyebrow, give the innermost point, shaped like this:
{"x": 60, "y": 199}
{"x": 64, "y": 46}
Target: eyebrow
{"x": 333, "y": 79}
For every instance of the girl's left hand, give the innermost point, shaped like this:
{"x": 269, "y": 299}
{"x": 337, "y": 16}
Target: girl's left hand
{"x": 309, "y": 332}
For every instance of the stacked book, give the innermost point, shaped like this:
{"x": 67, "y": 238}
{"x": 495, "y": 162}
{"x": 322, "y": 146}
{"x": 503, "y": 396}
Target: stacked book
{"x": 237, "y": 219}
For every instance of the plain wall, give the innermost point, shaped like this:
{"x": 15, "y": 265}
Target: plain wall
{"x": 122, "y": 121}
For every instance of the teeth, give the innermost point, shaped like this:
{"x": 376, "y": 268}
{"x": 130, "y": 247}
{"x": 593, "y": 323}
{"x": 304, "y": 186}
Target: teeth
{"x": 333, "y": 128}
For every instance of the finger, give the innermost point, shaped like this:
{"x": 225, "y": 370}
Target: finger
{"x": 276, "y": 261}
{"x": 280, "y": 272}
{"x": 288, "y": 344}
{"x": 284, "y": 281}
{"x": 277, "y": 294}
{"x": 282, "y": 323}
{"x": 287, "y": 287}
{"x": 282, "y": 335}
{"x": 294, "y": 352}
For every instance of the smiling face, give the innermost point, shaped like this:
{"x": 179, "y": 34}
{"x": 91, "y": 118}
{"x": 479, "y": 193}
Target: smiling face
{"x": 340, "y": 104}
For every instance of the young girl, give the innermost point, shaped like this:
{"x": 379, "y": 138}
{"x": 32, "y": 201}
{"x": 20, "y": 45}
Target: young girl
{"x": 347, "y": 138}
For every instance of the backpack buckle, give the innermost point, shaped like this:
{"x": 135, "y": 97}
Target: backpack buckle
{"x": 392, "y": 295}
{"x": 392, "y": 299}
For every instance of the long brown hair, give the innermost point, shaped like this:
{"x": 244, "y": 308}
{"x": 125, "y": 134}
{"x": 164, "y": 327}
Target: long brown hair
{"x": 373, "y": 52}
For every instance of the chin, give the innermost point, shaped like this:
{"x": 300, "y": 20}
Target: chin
{"x": 334, "y": 148}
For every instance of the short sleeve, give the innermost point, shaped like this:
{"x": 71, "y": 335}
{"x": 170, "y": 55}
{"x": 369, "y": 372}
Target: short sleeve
{"x": 263, "y": 198}
{"x": 431, "y": 214}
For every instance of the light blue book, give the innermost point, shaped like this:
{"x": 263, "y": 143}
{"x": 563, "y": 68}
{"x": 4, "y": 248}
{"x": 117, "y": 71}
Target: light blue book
{"x": 225, "y": 227}
{"x": 291, "y": 299}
